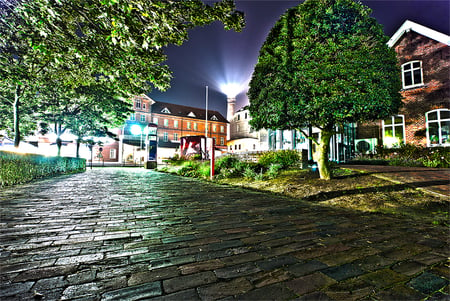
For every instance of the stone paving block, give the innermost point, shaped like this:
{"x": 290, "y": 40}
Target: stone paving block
{"x": 45, "y": 272}
{"x": 9, "y": 290}
{"x": 316, "y": 296}
{"x": 196, "y": 267}
{"x": 271, "y": 292}
{"x": 49, "y": 283}
{"x": 156, "y": 264}
{"x": 219, "y": 290}
{"x": 305, "y": 268}
{"x": 384, "y": 278}
{"x": 350, "y": 289}
{"x": 81, "y": 291}
{"x": 273, "y": 263}
{"x": 241, "y": 258}
{"x": 265, "y": 278}
{"x": 309, "y": 283}
{"x": 237, "y": 270}
{"x": 82, "y": 276}
{"x": 400, "y": 292}
{"x": 374, "y": 262}
{"x": 428, "y": 283}
{"x": 189, "y": 281}
{"x": 79, "y": 259}
{"x": 405, "y": 252}
{"x": 343, "y": 272}
{"x": 318, "y": 251}
{"x": 188, "y": 295}
{"x": 409, "y": 268}
{"x": 137, "y": 292}
{"x": 429, "y": 258}
{"x": 153, "y": 275}
{"x": 347, "y": 256}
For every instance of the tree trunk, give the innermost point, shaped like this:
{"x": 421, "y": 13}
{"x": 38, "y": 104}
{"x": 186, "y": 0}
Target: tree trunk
{"x": 58, "y": 138}
{"x": 78, "y": 147}
{"x": 323, "y": 150}
{"x": 16, "y": 106}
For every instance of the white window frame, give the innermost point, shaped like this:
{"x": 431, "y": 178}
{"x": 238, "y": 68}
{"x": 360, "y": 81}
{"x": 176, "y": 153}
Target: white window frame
{"x": 175, "y": 136}
{"x": 392, "y": 126}
{"x": 222, "y": 141}
{"x": 412, "y": 74}
{"x": 166, "y": 137}
{"x": 438, "y": 121}
{"x": 112, "y": 153}
{"x": 222, "y": 129}
{"x": 137, "y": 103}
{"x": 195, "y": 126}
{"x": 175, "y": 123}
{"x": 188, "y": 125}
{"x": 132, "y": 116}
{"x": 166, "y": 122}
{"x": 142, "y": 118}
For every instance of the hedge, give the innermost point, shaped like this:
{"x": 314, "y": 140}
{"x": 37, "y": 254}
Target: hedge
{"x": 21, "y": 168}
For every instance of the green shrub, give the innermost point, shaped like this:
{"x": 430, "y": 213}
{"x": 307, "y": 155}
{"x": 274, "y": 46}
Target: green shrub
{"x": 273, "y": 171}
{"x": 21, "y": 168}
{"x": 285, "y": 158}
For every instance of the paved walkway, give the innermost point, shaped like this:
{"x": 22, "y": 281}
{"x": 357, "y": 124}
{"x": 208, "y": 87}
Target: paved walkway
{"x": 132, "y": 234}
{"x": 435, "y": 180}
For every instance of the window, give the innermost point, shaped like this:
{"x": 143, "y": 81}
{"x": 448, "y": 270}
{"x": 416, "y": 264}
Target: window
{"x": 214, "y": 118}
{"x": 133, "y": 116}
{"x": 166, "y": 122}
{"x": 222, "y": 141}
{"x": 222, "y": 129}
{"x": 246, "y": 115}
{"x": 239, "y": 117}
{"x": 165, "y": 110}
{"x": 188, "y": 126}
{"x": 112, "y": 153}
{"x": 191, "y": 114}
{"x": 214, "y": 128}
{"x": 394, "y": 131}
{"x": 231, "y": 147}
{"x": 195, "y": 126}
{"x": 175, "y": 124}
{"x": 165, "y": 137}
{"x": 143, "y": 105}
{"x": 142, "y": 118}
{"x": 137, "y": 103}
{"x": 438, "y": 127}
{"x": 412, "y": 74}
{"x": 175, "y": 136}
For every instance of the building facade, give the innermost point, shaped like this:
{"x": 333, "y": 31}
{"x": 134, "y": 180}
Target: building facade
{"x": 173, "y": 122}
{"x": 424, "y": 118}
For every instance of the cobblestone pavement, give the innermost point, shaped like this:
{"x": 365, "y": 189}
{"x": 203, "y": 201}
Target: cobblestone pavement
{"x": 131, "y": 234}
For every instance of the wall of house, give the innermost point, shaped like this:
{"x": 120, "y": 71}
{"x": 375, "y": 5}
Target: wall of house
{"x": 435, "y": 93}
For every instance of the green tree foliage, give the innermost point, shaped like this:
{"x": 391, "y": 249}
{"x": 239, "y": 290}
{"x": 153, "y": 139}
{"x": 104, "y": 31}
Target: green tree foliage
{"x": 323, "y": 64}
{"x": 118, "y": 43}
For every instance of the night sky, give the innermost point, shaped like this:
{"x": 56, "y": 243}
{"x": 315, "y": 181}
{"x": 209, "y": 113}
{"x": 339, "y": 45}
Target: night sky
{"x": 213, "y": 56}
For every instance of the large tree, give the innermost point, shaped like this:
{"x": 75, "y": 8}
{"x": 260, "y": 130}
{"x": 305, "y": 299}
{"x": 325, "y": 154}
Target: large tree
{"x": 324, "y": 63}
{"x": 123, "y": 41}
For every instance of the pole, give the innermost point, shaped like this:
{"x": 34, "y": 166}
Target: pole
{"x": 206, "y": 118}
{"x": 212, "y": 158}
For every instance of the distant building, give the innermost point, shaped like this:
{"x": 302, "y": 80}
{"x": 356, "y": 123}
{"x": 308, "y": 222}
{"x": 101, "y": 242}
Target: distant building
{"x": 424, "y": 118}
{"x": 173, "y": 121}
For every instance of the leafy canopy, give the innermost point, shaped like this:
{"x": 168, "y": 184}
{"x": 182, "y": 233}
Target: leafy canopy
{"x": 324, "y": 63}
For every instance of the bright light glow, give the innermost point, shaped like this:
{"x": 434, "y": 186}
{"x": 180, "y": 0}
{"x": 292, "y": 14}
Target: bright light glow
{"x": 231, "y": 89}
{"x": 136, "y": 129}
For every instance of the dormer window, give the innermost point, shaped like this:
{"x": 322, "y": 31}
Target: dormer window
{"x": 165, "y": 110}
{"x": 214, "y": 118}
{"x": 191, "y": 114}
{"x": 412, "y": 75}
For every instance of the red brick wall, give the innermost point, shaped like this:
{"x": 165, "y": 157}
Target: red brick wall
{"x": 434, "y": 94}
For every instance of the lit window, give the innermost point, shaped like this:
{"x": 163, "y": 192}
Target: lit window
{"x": 394, "y": 131}
{"x": 188, "y": 125}
{"x": 214, "y": 128}
{"x": 137, "y": 103}
{"x": 155, "y": 120}
{"x": 412, "y": 74}
{"x": 222, "y": 129}
{"x": 222, "y": 141}
{"x": 142, "y": 118}
{"x": 191, "y": 114}
{"x": 175, "y": 124}
{"x": 166, "y": 122}
{"x": 195, "y": 126}
{"x": 214, "y": 118}
{"x": 438, "y": 127}
{"x": 165, "y": 110}
{"x": 112, "y": 153}
{"x": 166, "y": 136}
{"x": 133, "y": 116}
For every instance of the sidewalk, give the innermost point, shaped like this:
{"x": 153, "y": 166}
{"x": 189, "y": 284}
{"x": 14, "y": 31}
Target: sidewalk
{"x": 434, "y": 180}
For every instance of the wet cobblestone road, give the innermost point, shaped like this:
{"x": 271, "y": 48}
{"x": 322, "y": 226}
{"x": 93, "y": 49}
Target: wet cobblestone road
{"x": 132, "y": 234}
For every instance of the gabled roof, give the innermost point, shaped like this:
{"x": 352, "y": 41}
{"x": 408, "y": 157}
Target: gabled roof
{"x": 185, "y": 111}
{"x": 420, "y": 29}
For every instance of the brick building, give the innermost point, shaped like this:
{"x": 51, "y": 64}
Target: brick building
{"x": 173, "y": 121}
{"x": 424, "y": 118}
